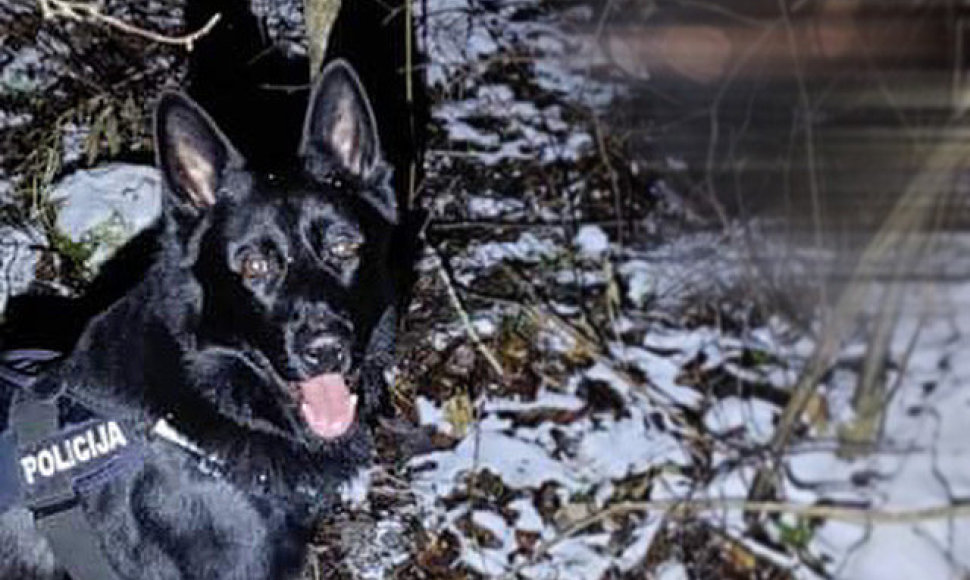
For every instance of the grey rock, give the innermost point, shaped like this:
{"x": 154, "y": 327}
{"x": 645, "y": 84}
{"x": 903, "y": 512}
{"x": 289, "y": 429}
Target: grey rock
{"x": 103, "y": 208}
{"x": 19, "y": 256}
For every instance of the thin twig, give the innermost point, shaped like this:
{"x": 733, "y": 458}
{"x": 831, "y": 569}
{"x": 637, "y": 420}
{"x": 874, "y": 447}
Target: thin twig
{"x": 91, "y": 12}
{"x": 614, "y": 178}
{"x": 476, "y": 339}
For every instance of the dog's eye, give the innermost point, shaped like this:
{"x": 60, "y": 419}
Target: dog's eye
{"x": 255, "y": 266}
{"x": 345, "y": 249}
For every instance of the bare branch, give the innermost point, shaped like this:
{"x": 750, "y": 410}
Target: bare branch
{"x": 91, "y": 13}
{"x": 682, "y": 509}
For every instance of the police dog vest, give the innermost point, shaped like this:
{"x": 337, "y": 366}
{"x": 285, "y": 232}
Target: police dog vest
{"x": 48, "y": 456}
{"x": 79, "y": 457}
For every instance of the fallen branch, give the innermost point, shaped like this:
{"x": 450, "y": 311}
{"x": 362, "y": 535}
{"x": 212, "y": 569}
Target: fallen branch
{"x": 91, "y": 13}
{"x": 681, "y": 509}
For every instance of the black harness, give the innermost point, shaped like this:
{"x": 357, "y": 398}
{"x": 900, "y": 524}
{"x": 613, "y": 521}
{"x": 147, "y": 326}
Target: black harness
{"x": 53, "y": 452}
{"x": 57, "y": 449}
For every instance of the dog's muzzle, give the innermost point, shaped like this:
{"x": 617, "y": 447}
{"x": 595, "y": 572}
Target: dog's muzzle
{"x": 327, "y": 404}
{"x": 326, "y": 353}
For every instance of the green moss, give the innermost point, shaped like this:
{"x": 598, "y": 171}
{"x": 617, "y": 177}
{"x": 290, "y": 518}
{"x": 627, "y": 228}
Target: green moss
{"x": 75, "y": 255}
{"x": 798, "y": 535}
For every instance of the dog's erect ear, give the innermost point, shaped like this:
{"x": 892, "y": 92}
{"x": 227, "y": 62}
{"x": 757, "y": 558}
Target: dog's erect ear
{"x": 340, "y": 124}
{"x": 340, "y": 129}
{"x": 192, "y": 152}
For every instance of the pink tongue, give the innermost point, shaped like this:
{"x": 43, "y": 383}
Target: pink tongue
{"x": 327, "y": 406}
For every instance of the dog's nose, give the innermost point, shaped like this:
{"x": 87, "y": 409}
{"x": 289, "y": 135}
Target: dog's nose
{"x": 326, "y": 353}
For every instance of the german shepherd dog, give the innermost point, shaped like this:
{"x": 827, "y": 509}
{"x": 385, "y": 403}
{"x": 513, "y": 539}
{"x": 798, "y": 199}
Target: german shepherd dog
{"x": 244, "y": 366}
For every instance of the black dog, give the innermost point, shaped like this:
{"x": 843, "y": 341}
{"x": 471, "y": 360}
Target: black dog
{"x": 257, "y": 91}
{"x": 212, "y": 412}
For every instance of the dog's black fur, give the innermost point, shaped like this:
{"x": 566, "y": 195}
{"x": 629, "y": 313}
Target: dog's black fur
{"x": 257, "y": 90}
{"x": 251, "y": 270}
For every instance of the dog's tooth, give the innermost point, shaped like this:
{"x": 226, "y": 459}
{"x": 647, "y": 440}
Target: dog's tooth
{"x": 353, "y": 401}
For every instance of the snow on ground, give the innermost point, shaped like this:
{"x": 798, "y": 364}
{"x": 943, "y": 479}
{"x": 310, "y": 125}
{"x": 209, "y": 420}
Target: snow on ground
{"x": 591, "y": 242}
{"x": 628, "y": 421}
{"x": 921, "y": 460}
{"x": 582, "y": 458}
{"x": 510, "y": 129}
{"x": 465, "y": 40}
